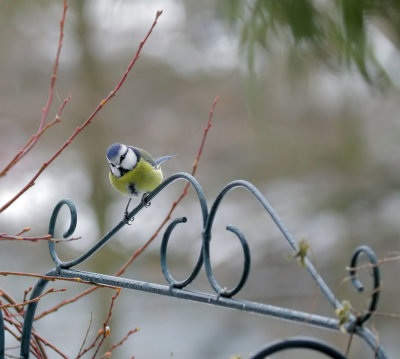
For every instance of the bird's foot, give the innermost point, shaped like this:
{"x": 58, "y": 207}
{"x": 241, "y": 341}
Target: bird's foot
{"x": 145, "y": 201}
{"x": 126, "y": 218}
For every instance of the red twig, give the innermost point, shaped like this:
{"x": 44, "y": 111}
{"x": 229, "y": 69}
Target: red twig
{"x": 26, "y": 229}
{"x": 35, "y": 347}
{"x": 11, "y": 300}
{"x": 47, "y": 237}
{"x": 86, "y": 335}
{"x": 203, "y": 140}
{"x": 65, "y": 302}
{"x": 45, "y": 111}
{"x": 19, "y": 305}
{"x": 33, "y": 138}
{"x": 9, "y": 330}
{"x": 26, "y": 292}
{"x": 108, "y": 353}
{"x": 104, "y": 332}
{"x": 88, "y": 120}
{"x": 51, "y": 278}
{"x": 39, "y": 339}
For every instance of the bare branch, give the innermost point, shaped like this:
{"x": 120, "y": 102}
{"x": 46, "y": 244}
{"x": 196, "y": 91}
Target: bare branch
{"x": 43, "y": 125}
{"x": 85, "y": 123}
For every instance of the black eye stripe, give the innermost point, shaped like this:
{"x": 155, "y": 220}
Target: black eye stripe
{"x": 123, "y": 155}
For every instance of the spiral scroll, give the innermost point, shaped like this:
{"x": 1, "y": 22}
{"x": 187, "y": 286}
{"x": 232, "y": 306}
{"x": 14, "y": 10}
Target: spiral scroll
{"x": 359, "y": 286}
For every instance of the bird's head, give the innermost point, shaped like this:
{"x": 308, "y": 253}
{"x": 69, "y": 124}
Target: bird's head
{"x": 121, "y": 158}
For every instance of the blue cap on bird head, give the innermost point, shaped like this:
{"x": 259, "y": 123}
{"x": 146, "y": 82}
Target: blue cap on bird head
{"x": 114, "y": 151}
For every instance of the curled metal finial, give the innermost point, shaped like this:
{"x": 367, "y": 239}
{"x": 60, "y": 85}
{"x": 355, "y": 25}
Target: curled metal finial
{"x": 224, "y": 292}
{"x": 299, "y": 343}
{"x": 163, "y": 250}
{"x": 359, "y": 286}
{"x": 163, "y": 258}
{"x": 246, "y": 253}
{"x": 68, "y": 232}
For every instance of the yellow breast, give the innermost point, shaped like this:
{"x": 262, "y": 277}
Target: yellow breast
{"x": 143, "y": 178}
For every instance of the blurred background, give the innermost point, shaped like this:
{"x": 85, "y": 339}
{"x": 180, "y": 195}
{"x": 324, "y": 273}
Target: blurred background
{"x": 308, "y": 113}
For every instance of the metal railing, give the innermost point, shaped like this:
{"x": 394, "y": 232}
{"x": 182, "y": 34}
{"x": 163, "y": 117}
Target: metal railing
{"x": 353, "y": 324}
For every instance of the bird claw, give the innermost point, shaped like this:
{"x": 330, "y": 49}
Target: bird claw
{"x": 145, "y": 201}
{"x": 127, "y": 220}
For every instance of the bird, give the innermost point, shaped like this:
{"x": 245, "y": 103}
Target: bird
{"x": 134, "y": 172}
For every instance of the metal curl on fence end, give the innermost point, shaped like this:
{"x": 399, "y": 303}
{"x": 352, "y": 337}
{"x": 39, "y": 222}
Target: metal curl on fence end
{"x": 163, "y": 249}
{"x": 359, "y": 286}
{"x": 163, "y": 258}
{"x": 299, "y": 343}
{"x": 68, "y": 232}
{"x": 246, "y": 250}
{"x": 224, "y": 292}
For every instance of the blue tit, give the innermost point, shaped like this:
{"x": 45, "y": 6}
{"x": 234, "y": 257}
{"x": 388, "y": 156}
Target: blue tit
{"x": 133, "y": 171}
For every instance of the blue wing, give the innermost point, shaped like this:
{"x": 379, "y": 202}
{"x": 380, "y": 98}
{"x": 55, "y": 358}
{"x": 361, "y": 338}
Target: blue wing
{"x": 148, "y": 158}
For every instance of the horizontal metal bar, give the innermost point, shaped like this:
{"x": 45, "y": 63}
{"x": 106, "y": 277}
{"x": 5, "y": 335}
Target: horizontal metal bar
{"x": 242, "y": 305}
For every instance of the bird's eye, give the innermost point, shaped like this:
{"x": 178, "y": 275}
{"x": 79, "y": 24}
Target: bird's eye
{"x": 112, "y": 164}
{"x": 122, "y": 157}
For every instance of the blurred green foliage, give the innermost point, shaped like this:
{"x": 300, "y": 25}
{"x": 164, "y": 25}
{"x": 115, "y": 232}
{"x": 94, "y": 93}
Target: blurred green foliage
{"x": 315, "y": 32}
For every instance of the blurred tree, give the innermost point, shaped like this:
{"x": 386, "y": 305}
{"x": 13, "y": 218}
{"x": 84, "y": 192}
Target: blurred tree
{"x": 333, "y": 33}
{"x": 90, "y": 70}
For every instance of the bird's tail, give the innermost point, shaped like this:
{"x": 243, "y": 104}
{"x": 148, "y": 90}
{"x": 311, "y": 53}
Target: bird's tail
{"x": 160, "y": 160}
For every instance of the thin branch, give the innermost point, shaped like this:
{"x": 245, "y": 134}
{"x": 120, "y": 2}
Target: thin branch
{"x": 16, "y": 325}
{"x": 65, "y": 302}
{"x": 108, "y": 353}
{"x": 103, "y": 332}
{"x": 12, "y": 301}
{"x": 47, "y": 237}
{"x": 26, "y": 292}
{"x": 20, "y": 153}
{"x": 36, "y": 349}
{"x": 85, "y": 123}
{"x": 24, "y": 230}
{"x": 86, "y": 335}
{"x": 52, "y": 279}
{"x": 41, "y": 340}
{"x": 394, "y": 258}
{"x": 45, "y": 111}
{"x": 203, "y": 140}
{"x": 19, "y": 305}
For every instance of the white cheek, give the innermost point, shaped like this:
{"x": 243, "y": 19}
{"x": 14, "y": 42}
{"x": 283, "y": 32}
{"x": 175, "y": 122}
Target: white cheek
{"x": 129, "y": 161}
{"x": 115, "y": 171}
